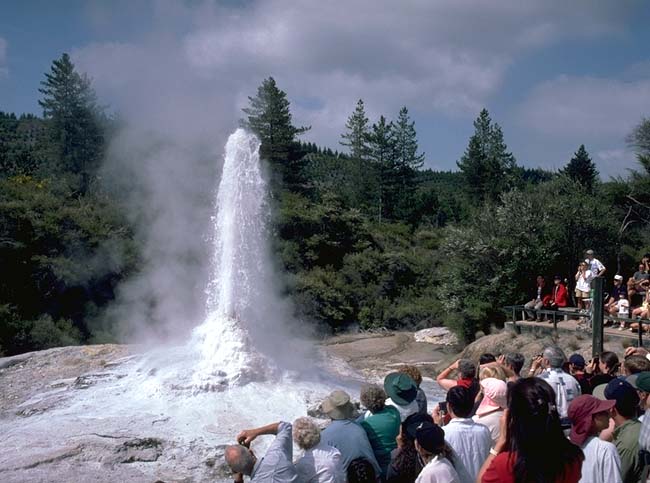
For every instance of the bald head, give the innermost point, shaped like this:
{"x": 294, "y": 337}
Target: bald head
{"x": 240, "y": 459}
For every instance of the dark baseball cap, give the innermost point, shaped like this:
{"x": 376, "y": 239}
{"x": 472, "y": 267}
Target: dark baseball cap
{"x": 622, "y": 392}
{"x": 643, "y": 381}
{"x": 577, "y": 360}
{"x": 430, "y": 436}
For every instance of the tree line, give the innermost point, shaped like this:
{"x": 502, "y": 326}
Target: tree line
{"x": 363, "y": 234}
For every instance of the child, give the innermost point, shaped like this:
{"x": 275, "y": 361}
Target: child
{"x": 623, "y": 308}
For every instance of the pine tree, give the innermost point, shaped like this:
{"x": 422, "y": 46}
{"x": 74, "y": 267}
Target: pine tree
{"x": 406, "y": 142}
{"x": 70, "y": 104}
{"x": 582, "y": 169}
{"x": 269, "y": 118}
{"x": 381, "y": 141}
{"x": 487, "y": 166}
{"x": 356, "y": 137}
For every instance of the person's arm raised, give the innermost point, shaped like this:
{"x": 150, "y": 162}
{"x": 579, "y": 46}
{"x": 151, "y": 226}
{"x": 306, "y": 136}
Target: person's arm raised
{"x": 443, "y": 380}
{"x": 248, "y": 435}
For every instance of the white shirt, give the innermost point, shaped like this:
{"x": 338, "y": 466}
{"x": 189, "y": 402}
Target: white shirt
{"x": 404, "y": 411}
{"x": 595, "y": 266}
{"x": 438, "y": 470}
{"x": 321, "y": 464}
{"x": 602, "y": 463}
{"x": 565, "y": 386}
{"x": 471, "y": 442}
{"x": 623, "y": 306}
{"x": 492, "y": 421}
{"x": 584, "y": 281}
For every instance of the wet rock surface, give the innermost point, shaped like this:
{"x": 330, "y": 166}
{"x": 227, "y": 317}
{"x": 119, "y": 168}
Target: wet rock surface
{"x": 69, "y": 415}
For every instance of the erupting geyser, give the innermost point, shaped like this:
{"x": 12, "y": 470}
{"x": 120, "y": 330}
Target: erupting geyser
{"x": 238, "y": 270}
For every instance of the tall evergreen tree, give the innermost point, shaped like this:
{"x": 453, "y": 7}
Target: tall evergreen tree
{"x": 582, "y": 169}
{"x": 406, "y": 142}
{"x": 269, "y": 117}
{"x": 357, "y": 134}
{"x": 70, "y": 104}
{"x": 487, "y": 166}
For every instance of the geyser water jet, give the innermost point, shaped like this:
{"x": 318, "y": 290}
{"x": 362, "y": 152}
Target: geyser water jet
{"x": 239, "y": 270}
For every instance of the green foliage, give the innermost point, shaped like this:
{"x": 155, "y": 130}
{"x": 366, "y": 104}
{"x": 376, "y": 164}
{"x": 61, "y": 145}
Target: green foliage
{"x": 75, "y": 127}
{"x": 269, "y": 117}
{"x": 487, "y": 166}
{"x": 357, "y": 132}
{"x": 582, "y": 169}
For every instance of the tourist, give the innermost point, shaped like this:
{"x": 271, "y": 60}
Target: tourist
{"x": 638, "y": 283}
{"x": 402, "y": 392}
{"x": 583, "y": 285}
{"x": 319, "y": 462}
{"x": 643, "y": 384}
{"x": 623, "y": 308}
{"x": 492, "y": 405}
{"x": 343, "y": 433}
{"x": 532, "y": 446}
{"x": 633, "y": 364}
{"x": 602, "y": 369}
{"x": 515, "y": 362}
{"x": 642, "y": 312}
{"x": 626, "y": 427}
{"x": 382, "y": 425}
{"x": 486, "y": 358}
{"x": 595, "y": 266}
{"x": 436, "y": 455}
{"x": 466, "y": 376}
{"x": 405, "y": 464}
{"x": 589, "y": 416}
{"x": 493, "y": 370}
{"x": 565, "y": 385}
{"x": 416, "y": 375}
{"x": 275, "y": 467}
{"x": 559, "y": 295}
{"x": 577, "y": 370}
{"x": 618, "y": 291}
{"x": 361, "y": 470}
{"x": 539, "y": 294}
{"x": 471, "y": 441}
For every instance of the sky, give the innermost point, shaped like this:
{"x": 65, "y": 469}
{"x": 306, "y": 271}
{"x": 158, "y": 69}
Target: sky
{"x": 553, "y": 74}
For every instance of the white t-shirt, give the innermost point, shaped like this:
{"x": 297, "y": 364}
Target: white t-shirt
{"x": 602, "y": 463}
{"x": 438, "y": 470}
{"x": 623, "y": 306}
{"x": 470, "y": 441}
{"x": 595, "y": 266}
{"x": 492, "y": 421}
{"x": 321, "y": 464}
{"x": 584, "y": 283}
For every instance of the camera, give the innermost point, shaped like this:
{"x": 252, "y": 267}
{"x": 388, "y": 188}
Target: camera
{"x": 442, "y": 406}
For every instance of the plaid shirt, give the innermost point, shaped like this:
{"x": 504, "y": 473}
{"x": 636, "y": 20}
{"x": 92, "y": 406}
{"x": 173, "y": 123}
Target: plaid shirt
{"x": 565, "y": 386}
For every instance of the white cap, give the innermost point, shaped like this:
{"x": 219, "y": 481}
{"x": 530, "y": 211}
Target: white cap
{"x": 618, "y": 277}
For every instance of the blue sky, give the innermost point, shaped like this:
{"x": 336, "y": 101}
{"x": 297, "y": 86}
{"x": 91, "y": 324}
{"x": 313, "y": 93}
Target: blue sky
{"x": 553, "y": 74}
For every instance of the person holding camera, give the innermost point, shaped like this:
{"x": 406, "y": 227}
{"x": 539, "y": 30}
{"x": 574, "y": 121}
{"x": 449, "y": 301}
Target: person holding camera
{"x": 583, "y": 285}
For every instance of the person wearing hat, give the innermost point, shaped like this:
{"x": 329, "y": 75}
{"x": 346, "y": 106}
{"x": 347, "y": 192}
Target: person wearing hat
{"x": 643, "y": 384}
{"x": 492, "y": 406}
{"x": 470, "y": 440}
{"x": 343, "y": 433}
{"x": 577, "y": 365}
{"x": 619, "y": 292}
{"x": 401, "y": 391}
{"x": 436, "y": 454}
{"x": 626, "y": 427}
{"x": 595, "y": 265}
{"x": 589, "y": 416}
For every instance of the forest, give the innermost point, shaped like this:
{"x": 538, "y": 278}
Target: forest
{"x": 364, "y": 235}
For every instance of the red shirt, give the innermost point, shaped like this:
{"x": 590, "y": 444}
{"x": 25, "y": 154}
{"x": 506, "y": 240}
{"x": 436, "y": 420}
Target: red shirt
{"x": 501, "y": 470}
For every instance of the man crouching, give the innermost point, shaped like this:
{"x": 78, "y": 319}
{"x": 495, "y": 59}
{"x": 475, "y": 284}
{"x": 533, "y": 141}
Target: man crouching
{"x": 275, "y": 467}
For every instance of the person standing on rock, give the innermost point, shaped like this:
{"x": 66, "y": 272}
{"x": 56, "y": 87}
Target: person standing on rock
{"x": 277, "y": 464}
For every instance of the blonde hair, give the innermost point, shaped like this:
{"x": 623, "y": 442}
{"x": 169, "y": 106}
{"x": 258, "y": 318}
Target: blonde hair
{"x": 495, "y": 371}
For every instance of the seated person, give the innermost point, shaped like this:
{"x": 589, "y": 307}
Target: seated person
{"x": 640, "y": 313}
{"x": 637, "y": 284}
{"x": 538, "y": 294}
{"x": 559, "y": 295}
{"x": 276, "y": 465}
{"x": 611, "y": 304}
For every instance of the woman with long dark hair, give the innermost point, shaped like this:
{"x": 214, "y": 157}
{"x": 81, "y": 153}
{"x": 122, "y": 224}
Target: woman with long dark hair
{"x": 532, "y": 447}
{"x": 603, "y": 370}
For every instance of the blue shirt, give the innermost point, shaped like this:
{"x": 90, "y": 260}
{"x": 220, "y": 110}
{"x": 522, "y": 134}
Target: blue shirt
{"x": 351, "y": 440}
{"x": 277, "y": 464}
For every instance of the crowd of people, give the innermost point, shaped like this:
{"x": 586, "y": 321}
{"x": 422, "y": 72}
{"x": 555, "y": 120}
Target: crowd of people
{"x": 628, "y": 300}
{"x": 566, "y": 420}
